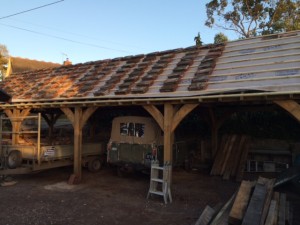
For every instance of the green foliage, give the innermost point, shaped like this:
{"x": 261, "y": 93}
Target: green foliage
{"x": 198, "y": 41}
{"x": 220, "y": 38}
{"x": 254, "y": 17}
{"x": 3, "y": 60}
{"x": 285, "y": 17}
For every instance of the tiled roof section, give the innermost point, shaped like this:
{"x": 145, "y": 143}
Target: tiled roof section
{"x": 171, "y": 83}
{"x": 205, "y": 68}
{"x": 21, "y": 64}
{"x": 116, "y": 76}
{"x": 147, "y": 80}
{"x": 260, "y": 64}
{"x": 126, "y": 86}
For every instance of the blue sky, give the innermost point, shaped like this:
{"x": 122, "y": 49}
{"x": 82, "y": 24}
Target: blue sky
{"x": 90, "y": 30}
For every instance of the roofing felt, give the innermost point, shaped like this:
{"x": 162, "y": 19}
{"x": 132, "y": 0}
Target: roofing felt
{"x": 261, "y": 64}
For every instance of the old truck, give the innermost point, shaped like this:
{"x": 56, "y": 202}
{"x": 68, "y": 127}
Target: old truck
{"x": 32, "y": 153}
{"x": 134, "y": 142}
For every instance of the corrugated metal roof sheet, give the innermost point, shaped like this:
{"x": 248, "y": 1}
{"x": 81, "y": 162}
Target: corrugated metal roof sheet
{"x": 261, "y": 64}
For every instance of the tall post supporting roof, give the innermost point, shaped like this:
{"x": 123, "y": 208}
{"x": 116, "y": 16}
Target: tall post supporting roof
{"x": 78, "y": 118}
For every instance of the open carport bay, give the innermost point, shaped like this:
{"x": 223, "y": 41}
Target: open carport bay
{"x": 104, "y": 198}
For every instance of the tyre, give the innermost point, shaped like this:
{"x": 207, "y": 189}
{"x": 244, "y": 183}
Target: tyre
{"x": 95, "y": 165}
{"x": 14, "y": 159}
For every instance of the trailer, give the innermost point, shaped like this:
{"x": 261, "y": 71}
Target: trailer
{"x": 35, "y": 155}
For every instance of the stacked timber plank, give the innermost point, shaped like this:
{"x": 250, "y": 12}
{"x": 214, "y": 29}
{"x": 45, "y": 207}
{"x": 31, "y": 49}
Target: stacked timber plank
{"x": 255, "y": 203}
{"x": 231, "y": 157}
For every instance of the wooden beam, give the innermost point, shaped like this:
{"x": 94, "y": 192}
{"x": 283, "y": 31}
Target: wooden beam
{"x": 16, "y": 123}
{"x": 25, "y": 112}
{"x": 240, "y": 204}
{"x": 255, "y": 207}
{"x": 156, "y": 114}
{"x": 87, "y": 114}
{"x": 272, "y": 213}
{"x": 269, "y": 183}
{"x": 206, "y": 216}
{"x": 51, "y": 120}
{"x": 223, "y": 214}
{"x": 17, "y": 112}
{"x": 281, "y": 209}
{"x": 291, "y": 106}
{"x": 181, "y": 114}
{"x": 9, "y": 113}
{"x": 242, "y": 162}
{"x": 70, "y": 115}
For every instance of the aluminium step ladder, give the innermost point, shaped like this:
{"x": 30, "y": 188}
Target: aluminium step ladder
{"x": 160, "y": 181}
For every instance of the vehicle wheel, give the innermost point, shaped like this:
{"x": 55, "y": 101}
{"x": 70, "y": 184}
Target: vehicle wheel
{"x": 14, "y": 159}
{"x": 95, "y": 165}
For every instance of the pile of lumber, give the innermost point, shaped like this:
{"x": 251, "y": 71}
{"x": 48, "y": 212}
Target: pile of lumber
{"x": 231, "y": 157}
{"x": 255, "y": 203}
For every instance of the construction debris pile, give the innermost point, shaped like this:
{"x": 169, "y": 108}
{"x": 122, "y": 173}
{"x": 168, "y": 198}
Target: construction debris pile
{"x": 255, "y": 203}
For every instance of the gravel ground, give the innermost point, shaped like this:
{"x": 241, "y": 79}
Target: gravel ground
{"x": 104, "y": 198}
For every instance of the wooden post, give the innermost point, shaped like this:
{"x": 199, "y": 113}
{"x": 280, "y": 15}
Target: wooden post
{"x": 77, "y": 142}
{"x": 168, "y": 134}
{"x": 78, "y": 119}
{"x": 16, "y": 117}
{"x": 50, "y": 120}
{"x": 168, "y": 122}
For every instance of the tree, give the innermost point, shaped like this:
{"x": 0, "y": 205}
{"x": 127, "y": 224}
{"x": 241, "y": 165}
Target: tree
{"x": 220, "y": 38}
{"x": 198, "y": 41}
{"x": 285, "y": 17}
{"x": 3, "y": 60}
{"x": 254, "y": 17}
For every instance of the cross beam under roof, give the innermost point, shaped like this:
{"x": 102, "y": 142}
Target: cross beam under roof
{"x": 85, "y": 102}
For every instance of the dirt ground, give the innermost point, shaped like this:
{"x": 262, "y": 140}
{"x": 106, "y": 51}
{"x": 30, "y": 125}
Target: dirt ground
{"x": 105, "y": 198}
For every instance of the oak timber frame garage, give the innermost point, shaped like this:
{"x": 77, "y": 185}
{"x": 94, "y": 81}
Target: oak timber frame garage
{"x": 168, "y": 85}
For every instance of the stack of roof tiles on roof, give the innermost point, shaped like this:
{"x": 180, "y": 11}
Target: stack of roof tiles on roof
{"x": 260, "y": 64}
